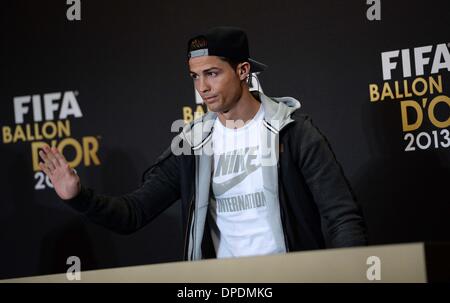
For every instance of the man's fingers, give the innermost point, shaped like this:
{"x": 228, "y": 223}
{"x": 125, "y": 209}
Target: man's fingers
{"x": 44, "y": 168}
{"x": 60, "y": 157}
{"x": 44, "y": 157}
{"x": 47, "y": 161}
{"x": 46, "y": 148}
{"x": 50, "y": 166}
{"x": 51, "y": 156}
{"x": 48, "y": 156}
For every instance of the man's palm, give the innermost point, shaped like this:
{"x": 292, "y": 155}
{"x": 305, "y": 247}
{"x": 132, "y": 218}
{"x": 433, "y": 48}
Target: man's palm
{"x": 64, "y": 179}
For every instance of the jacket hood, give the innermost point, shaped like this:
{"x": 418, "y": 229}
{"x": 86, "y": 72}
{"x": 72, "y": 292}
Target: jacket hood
{"x": 277, "y": 114}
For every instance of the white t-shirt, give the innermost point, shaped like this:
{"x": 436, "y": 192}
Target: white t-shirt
{"x": 246, "y": 217}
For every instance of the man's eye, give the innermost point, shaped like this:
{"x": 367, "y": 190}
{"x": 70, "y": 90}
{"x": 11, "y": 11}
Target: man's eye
{"x": 195, "y": 77}
{"x": 212, "y": 74}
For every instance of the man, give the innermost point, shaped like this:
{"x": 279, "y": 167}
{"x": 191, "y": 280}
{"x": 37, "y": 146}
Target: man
{"x": 254, "y": 176}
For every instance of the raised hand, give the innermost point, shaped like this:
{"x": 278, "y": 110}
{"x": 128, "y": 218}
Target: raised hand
{"x": 64, "y": 179}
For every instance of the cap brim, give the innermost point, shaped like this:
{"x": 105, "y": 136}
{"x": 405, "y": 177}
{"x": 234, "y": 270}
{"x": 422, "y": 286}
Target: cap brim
{"x": 255, "y": 66}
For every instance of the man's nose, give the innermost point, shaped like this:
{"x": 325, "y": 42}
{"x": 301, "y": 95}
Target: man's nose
{"x": 203, "y": 85}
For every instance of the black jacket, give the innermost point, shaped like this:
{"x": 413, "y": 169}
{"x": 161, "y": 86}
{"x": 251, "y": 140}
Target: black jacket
{"x": 318, "y": 208}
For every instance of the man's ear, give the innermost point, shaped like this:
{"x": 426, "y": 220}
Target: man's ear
{"x": 244, "y": 70}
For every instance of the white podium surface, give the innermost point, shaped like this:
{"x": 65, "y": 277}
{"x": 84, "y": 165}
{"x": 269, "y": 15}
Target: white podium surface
{"x": 397, "y": 263}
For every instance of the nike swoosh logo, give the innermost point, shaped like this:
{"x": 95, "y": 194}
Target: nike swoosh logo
{"x": 222, "y": 187}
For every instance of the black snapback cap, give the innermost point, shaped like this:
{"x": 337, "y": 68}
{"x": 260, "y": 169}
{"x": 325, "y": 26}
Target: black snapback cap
{"x": 224, "y": 41}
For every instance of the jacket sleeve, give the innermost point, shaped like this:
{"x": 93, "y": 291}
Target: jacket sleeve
{"x": 331, "y": 191}
{"x": 127, "y": 213}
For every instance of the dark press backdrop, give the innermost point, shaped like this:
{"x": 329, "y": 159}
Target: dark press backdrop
{"x": 105, "y": 89}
